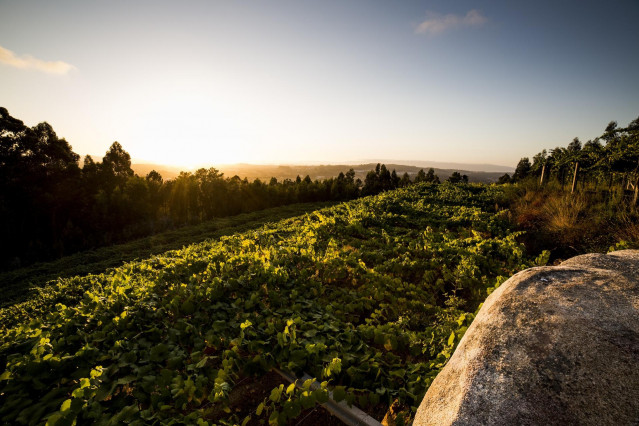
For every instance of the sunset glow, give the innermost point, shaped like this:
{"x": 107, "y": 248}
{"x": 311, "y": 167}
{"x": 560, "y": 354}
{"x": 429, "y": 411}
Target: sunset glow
{"x": 306, "y": 212}
{"x": 222, "y": 82}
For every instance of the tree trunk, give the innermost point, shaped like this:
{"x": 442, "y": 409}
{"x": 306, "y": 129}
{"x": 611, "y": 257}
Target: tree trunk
{"x": 636, "y": 194}
{"x": 574, "y": 178}
{"x": 610, "y": 182}
{"x": 543, "y": 171}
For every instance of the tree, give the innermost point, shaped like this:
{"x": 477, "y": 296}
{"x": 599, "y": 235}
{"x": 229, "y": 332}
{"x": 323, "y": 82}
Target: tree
{"x": 594, "y": 162}
{"x": 574, "y": 146}
{"x": 384, "y": 177}
{"x": 503, "y": 179}
{"x": 538, "y": 167}
{"x": 350, "y": 176}
{"x": 456, "y": 177}
{"x": 154, "y": 177}
{"x": 522, "y": 170}
{"x": 371, "y": 184}
{"x": 39, "y": 191}
{"x": 394, "y": 179}
{"x": 116, "y": 165}
{"x": 405, "y": 180}
{"x": 574, "y": 153}
{"x": 431, "y": 177}
{"x": 155, "y": 184}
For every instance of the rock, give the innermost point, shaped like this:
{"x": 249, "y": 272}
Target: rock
{"x": 551, "y": 346}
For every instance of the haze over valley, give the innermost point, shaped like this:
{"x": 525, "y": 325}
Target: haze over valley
{"x": 475, "y": 172}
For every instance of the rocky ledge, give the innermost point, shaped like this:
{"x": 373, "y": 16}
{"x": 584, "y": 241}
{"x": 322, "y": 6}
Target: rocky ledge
{"x": 551, "y": 346}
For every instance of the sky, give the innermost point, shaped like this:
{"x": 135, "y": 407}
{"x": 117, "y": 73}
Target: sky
{"x": 195, "y": 83}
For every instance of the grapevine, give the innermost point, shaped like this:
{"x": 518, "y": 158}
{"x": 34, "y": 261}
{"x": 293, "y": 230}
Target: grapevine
{"x": 369, "y": 297}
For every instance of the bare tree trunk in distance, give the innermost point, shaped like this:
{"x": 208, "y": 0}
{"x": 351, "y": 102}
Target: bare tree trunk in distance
{"x": 574, "y": 178}
{"x": 543, "y": 171}
{"x": 636, "y": 188}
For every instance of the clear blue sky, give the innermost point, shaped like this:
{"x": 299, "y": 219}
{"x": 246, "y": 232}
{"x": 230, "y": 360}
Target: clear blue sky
{"x": 191, "y": 83}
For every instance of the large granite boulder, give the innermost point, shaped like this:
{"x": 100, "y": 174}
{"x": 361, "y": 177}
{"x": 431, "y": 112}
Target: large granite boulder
{"x": 551, "y": 346}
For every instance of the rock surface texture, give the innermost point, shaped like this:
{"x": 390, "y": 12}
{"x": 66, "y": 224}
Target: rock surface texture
{"x": 551, "y": 346}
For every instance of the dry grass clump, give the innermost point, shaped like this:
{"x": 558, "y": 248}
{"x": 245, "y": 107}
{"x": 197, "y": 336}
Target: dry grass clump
{"x": 566, "y": 214}
{"x": 628, "y": 229}
{"x": 528, "y": 209}
{"x": 569, "y": 224}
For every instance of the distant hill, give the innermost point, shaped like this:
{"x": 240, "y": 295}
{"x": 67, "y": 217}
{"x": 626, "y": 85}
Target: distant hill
{"x": 447, "y": 165}
{"x": 167, "y": 172}
{"x": 324, "y": 171}
{"x": 143, "y": 169}
{"x": 265, "y": 172}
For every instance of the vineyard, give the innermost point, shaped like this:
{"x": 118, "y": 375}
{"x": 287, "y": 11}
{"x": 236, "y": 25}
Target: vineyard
{"x": 26, "y": 283}
{"x": 369, "y": 297}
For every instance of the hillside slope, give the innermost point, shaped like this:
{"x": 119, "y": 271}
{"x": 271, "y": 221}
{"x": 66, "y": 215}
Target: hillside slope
{"x": 370, "y": 297}
{"x": 25, "y": 283}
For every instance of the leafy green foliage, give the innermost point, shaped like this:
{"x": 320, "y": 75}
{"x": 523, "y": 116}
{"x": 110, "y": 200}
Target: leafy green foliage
{"x": 369, "y": 297}
{"x": 22, "y": 285}
{"x": 609, "y": 165}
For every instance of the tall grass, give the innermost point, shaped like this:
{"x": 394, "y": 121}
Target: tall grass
{"x": 565, "y": 213}
{"x": 569, "y": 224}
{"x": 628, "y": 230}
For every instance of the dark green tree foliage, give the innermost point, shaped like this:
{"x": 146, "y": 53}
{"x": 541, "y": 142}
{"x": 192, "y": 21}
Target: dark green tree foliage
{"x": 505, "y": 178}
{"x": 405, "y": 180}
{"x": 522, "y": 170}
{"x": 394, "y": 179}
{"x": 456, "y": 177}
{"x": 610, "y": 161}
{"x": 381, "y": 179}
{"x": 116, "y": 165}
{"x": 431, "y": 177}
{"x": 538, "y": 163}
{"x": 39, "y": 196}
{"x": 50, "y": 207}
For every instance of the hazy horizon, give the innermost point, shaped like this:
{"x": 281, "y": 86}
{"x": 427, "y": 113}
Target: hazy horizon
{"x": 292, "y": 83}
{"x": 415, "y": 163}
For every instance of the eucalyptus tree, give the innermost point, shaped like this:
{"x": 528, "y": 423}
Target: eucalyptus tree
{"x": 421, "y": 176}
{"x": 522, "y": 170}
{"x": 559, "y": 162}
{"x": 591, "y": 160}
{"x": 456, "y": 177}
{"x": 574, "y": 156}
{"x": 538, "y": 167}
{"x": 431, "y": 177}
{"x": 405, "y": 180}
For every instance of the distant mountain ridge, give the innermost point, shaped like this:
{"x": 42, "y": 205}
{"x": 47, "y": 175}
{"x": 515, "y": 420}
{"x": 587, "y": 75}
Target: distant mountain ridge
{"x": 324, "y": 171}
{"x": 471, "y": 167}
{"x": 167, "y": 172}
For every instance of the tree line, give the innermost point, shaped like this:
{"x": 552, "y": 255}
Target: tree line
{"x": 51, "y": 206}
{"x": 608, "y": 163}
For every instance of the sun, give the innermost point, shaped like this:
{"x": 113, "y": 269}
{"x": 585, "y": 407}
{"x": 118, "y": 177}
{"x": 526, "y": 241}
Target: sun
{"x": 187, "y": 134}
{"x": 193, "y": 155}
